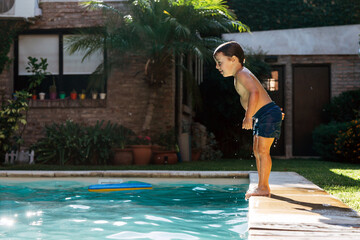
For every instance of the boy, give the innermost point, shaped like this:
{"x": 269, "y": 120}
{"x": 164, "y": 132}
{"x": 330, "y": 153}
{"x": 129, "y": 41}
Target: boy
{"x": 259, "y": 107}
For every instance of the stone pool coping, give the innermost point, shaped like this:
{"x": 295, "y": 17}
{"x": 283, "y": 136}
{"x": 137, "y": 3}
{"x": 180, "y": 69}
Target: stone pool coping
{"x": 297, "y": 209}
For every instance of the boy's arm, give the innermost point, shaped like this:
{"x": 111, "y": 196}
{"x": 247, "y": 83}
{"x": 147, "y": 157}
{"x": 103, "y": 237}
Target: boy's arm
{"x": 248, "y": 83}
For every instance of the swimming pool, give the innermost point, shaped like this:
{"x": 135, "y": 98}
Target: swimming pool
{"x": 180, "y": 209}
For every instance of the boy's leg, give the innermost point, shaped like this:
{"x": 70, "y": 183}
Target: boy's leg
{"x": 263, "y": 163}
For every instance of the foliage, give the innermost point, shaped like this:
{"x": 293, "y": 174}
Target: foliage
{"x": 283, "y": 14}
{"x": 211, "y": 150}
{"x": 256, "y": 63}
{"x": 11, "y": 118}
{"x": 123, "y": 136}
{"x": 166, "y": 139}
{"x": 72, "y": 143}
{"x": 8, "y": 32}
{"x": 156, "y": 30}
{"x": 142, "y": 140}
{"x": 37, "y": 70}
{"x": 324, "y": 139}
{"x": 339, "y": 140}
{"x": 347, "y": 143}
{"x": 345, "y": 107}
{"x": 52, "y": 88}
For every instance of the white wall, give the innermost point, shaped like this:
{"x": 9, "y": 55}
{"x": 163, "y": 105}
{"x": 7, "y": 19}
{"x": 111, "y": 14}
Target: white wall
{"x": 337, "y": 40}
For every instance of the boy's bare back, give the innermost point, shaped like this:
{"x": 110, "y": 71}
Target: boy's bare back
{"x": 246, "y": 82}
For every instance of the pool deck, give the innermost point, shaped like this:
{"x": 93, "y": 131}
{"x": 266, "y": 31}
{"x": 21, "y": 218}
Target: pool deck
{"x": 297, "y": 209}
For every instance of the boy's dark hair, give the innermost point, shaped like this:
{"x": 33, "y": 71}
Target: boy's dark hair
{"x": 230, "y": 49}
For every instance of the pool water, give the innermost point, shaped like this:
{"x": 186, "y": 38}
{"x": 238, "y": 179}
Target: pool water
{"x": 66, "y": 210}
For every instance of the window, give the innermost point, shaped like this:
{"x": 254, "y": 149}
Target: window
{"x": 68, "y": 71}
{"x": 272, "y": 84}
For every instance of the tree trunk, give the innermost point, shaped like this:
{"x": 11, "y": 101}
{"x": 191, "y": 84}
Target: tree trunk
{"x": 150, "y": 109}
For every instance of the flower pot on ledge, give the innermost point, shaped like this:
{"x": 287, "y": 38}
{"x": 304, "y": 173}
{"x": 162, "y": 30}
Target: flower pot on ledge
{"x": 123, "y": 156}
{"x": 165, "y": 157}
{"x": 52, "y": 95}
{"x": 42, "y": 96}
{"x": 195, "y": 154}
{"x": 142, "y": 154}
{"x": 73, "y": 95}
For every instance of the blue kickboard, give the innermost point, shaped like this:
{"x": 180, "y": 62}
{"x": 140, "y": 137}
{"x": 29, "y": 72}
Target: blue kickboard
{"x": 127, "y": 186}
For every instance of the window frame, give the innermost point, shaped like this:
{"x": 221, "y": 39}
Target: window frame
{"x": 61, "y": 78}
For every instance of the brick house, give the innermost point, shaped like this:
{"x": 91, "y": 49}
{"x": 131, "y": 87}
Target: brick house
{"x": 310, "y": 66}
{"x": 127, "y": 92}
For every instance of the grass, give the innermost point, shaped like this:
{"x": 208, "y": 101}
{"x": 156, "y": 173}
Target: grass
{"x": 339, "y": 179}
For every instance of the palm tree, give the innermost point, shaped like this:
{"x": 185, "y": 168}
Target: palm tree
{"x": 158, "y": 30}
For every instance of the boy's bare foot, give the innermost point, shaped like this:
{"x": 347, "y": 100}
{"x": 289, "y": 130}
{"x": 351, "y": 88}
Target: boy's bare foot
{"x": 257, "y": 192}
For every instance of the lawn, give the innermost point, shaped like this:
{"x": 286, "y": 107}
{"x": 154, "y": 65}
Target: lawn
{"x": 339, "y": 179}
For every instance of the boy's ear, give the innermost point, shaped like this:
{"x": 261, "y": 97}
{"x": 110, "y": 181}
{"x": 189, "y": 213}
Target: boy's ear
{"x": 233, "y": 58}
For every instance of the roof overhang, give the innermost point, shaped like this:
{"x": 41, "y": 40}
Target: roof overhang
{"x": 335, "y": 40}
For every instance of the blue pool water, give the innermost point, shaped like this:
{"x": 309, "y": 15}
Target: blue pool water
{"x": 66, "y": 210}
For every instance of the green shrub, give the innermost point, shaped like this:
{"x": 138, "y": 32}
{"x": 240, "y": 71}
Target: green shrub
{"x": 345, "y": 107}
{"x": 12, "y": 117}
{"x": 211, "y": 150}
{"x": 324, "y": 138}
{"x": 72, "y": 143}
{"x": 347, "y": 143}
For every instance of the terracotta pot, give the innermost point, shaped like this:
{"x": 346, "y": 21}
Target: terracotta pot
{"x": 195, "y": 154}
{"x": 123, "y": 156}
{"x": 142, "y": 154}
{"x": 165, "y": 157}
{"x": 73, "y": 96}
{"x": 34, "y": 96}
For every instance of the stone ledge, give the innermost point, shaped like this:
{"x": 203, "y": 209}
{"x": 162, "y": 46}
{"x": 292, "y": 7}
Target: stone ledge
{"x": 128, "y": 173}
{"x": 68, "y": 103}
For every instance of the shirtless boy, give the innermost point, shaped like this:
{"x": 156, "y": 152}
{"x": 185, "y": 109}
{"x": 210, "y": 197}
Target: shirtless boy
{"x": 262, "y": 114}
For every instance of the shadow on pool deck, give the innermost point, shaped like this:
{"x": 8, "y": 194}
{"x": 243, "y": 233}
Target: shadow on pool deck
{"x": 298, "y": 209}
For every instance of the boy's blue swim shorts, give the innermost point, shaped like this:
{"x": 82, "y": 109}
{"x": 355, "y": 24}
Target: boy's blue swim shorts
{"x": 268, "y": 121}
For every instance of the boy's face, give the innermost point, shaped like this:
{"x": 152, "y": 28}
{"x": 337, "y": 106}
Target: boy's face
{"x": 224, "y": 64}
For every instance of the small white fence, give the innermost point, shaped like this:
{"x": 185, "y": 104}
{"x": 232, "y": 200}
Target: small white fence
{"x": 22, "y": 157}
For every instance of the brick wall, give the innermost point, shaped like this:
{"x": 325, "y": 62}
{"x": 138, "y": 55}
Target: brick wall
{"x": 345, "y": 70}
{"x": 344, "y": 76}
{"x": 66, "y": 15}
{"x": 127, "y": 92}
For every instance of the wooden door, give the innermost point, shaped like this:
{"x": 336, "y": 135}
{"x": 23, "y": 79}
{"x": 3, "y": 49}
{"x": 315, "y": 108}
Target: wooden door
{"x": 311, "y": 91}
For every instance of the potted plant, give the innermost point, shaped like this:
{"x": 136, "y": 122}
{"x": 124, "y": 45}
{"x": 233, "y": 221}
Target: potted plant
{"x": 123, "y": 155}
{"x": 33, "y": 95}
{"x": 62, "y": 95}
{"x": 196, "y": 139}
{"x": 52, "y": 90}
{"x": 41, "y": 95}
{"x": 102, "y": 95}
{"x": 142, "y": 150}
{"x": 82, "y": 95}
{"x": 38, "y": 72}
{"x": 73, "y": 94}
{"x": 94, "y": 94}
{"x": 167, "y": 154}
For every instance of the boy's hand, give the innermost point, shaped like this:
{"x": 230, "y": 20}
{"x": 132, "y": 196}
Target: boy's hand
{"x": 247, "y": 123}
